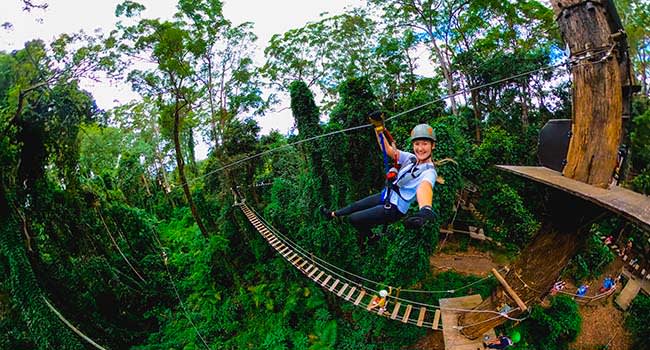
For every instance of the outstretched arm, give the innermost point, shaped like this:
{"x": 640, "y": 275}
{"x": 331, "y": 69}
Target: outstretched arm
{"x": 425, "y": 194}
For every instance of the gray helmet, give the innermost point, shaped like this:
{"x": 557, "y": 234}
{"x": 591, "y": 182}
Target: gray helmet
{"x": 423, "y": 131}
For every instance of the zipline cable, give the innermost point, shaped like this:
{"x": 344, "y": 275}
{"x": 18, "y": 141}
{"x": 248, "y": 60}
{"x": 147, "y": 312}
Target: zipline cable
{"x": 460, "y": 92}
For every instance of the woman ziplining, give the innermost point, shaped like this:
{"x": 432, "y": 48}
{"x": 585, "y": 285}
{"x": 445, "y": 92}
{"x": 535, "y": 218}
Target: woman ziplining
{"x": 412, "y": 177}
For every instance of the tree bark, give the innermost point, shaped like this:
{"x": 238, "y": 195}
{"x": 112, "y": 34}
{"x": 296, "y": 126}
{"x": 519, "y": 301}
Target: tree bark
{"x": 525, "y": 97}
{"x": 597, "y": 93}
{"x": 181, "y": 173}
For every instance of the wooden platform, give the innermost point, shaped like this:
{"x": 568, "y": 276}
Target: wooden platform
{"x": 453, "y": 339}
{"x": 631, "y": 205}
{"x": 632, "y": 288}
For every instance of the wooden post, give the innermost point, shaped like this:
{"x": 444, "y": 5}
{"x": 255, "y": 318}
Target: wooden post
{"x": 510, "y": 291}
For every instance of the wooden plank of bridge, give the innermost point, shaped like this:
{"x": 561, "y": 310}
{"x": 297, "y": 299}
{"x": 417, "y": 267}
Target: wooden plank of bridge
{"x": 319, "y": 276}
{"x": 407, "y": 313}
{"x": 324, "y": 283}
{"x": 350, "y": 293}
{"x": 423, "y": 311}
{"x": 334, "y": 285}
{"x": 436, "y": 320}
{"x": 341, "y": 290}
{"x": 395, "y": 311}
{"x": 312, "y": 272}
{"x": 361, "y": 295}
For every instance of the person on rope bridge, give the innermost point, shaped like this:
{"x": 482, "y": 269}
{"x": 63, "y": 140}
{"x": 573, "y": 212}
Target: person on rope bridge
{"x": 380, "y": 300}
{"x": 608, "y": 283}
{"x": 412, "y": 177}
{"x": 557, "y": 287}
{"x": 582, "y": 291}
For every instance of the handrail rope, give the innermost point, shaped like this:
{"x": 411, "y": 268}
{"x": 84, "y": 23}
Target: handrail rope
{"x": 463, "y": 91}
{"x": 395, "y": 298}
{"x": 67, "y": 323}
{"x": 163, "y": 258}
{"x": 305, "y": 252}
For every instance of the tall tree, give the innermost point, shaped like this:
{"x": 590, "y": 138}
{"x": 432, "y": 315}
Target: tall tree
{"x": 228, "y": 83}
{"x": 168, "y": 44}
{"x": 307, "y": 117}
{"x": 432, "y": 18}
{"x": 323, "y": 54}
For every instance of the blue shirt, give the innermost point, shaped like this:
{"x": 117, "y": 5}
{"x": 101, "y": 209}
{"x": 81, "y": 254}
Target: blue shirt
{"x": 409, "y": 177}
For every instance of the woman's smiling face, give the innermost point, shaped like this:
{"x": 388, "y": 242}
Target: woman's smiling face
{"x": 422, "y": 149}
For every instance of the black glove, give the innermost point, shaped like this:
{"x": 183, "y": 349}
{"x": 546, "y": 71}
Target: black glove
{"x": 420, "y": 218}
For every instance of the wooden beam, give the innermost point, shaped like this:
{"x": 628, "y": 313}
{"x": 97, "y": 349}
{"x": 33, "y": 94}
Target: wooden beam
{"x": 509, "y": 290}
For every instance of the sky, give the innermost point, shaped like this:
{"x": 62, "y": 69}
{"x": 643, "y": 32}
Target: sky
{"x": 69, "y": 16}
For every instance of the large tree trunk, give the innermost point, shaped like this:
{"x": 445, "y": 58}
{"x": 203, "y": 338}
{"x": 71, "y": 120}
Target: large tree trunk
{"x": 477, "y": 115}
{"x": 540, "y": 264}
{"x": 181, "y": 174}
{"x": 446, "y": 72}
{"x": 597, "y": 93}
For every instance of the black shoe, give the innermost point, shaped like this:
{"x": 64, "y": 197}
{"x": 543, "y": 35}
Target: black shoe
{"x": 326, "y": 213}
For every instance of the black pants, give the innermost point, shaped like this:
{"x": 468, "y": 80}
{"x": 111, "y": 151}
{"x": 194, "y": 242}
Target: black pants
{"x": 369, "y": 212}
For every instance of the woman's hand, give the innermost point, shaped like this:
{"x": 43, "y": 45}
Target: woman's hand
{"x": 420, "y": 218}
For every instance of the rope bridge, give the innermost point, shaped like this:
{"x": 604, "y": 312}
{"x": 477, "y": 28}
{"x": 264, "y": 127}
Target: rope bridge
{"x": 350, "y": 287}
